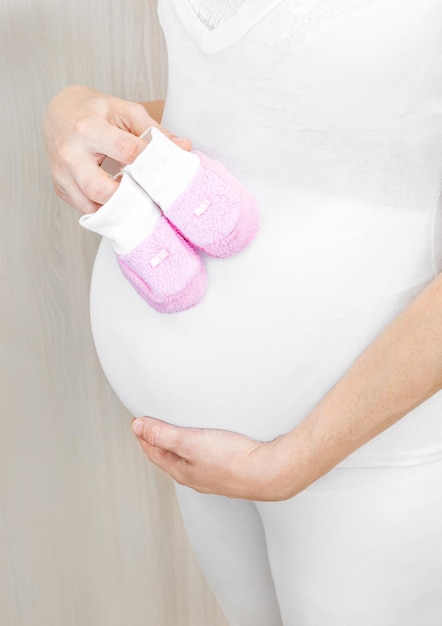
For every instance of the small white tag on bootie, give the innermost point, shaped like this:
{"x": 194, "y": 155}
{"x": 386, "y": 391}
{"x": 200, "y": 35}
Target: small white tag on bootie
{"x": 163, "y": 254}
{"x": 202, "y": 207}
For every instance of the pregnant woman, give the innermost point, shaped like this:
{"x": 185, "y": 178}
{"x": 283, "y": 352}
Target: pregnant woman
{"x": 296, "y": 404}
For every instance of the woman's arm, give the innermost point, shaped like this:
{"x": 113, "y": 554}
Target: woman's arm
{"x": 398, "y": 371}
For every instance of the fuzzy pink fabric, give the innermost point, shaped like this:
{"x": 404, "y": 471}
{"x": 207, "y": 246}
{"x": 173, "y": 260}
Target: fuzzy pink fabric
{"x": 215, "y": 212}
{"x": 165, "y": 270}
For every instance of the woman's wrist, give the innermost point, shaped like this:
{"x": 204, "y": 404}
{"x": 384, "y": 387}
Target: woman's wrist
{"x": 287, "y": 466}
{"x": 300, "y": 457}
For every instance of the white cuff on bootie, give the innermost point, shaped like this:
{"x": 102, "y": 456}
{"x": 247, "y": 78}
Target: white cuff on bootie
{"x": 126, "y": 219}
{"x": 163, "y": 169}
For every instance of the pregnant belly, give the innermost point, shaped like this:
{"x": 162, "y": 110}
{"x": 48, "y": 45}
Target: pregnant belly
{"x": 279, "y": 325}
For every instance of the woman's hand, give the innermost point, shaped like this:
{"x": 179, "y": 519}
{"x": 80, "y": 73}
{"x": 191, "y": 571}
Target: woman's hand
{"x": 217, "y": 461}
{"x": 398, "y": 371}
{"x": 81, "y": 128}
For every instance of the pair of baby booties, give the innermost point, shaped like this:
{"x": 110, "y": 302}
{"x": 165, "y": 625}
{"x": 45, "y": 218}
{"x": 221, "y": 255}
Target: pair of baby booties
{"x": 170, "y": 204}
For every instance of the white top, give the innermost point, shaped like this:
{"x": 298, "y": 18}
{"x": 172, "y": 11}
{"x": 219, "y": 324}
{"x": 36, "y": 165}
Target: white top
{"x": 212, "y": 13}
{"x": 331, "y": 112}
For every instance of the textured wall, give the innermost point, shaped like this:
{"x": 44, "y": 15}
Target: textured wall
{"x": 90, "y": 534}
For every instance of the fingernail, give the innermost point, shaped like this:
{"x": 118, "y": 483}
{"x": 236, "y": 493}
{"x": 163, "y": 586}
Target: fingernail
{"x": 137, "y": 427}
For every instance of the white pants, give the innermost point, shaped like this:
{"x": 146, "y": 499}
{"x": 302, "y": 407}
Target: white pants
{"x": 360, "y": 547}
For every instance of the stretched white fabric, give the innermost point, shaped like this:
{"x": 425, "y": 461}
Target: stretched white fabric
{"x": 331, "y": 113}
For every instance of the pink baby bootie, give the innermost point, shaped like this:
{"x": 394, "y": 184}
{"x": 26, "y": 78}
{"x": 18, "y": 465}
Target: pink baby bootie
{"x": 197, "y": 194}
{"x": 159, "y": 263}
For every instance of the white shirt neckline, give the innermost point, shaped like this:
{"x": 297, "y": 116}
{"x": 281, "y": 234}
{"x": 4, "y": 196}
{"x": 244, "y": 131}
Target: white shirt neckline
{"x": 228, "y": 32}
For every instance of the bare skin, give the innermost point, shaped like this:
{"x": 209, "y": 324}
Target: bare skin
{"x": 81, "y": 128}
{"x": 397, "y": 372}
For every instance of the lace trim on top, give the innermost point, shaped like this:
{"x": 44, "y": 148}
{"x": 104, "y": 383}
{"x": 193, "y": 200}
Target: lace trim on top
{"x": 212, "y": 13}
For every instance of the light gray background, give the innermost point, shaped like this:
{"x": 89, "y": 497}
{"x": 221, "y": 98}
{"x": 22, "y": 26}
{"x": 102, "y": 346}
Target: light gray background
{"x": 90, "y": 534}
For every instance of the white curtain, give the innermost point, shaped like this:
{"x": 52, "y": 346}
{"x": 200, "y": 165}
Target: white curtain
{"x": 90, "y": 533}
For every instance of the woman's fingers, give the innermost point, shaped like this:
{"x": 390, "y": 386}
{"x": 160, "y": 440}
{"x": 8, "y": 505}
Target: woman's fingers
{"x": 93, "y": 181}
{"x": 166, "y": 460}
{"x": 82, "y": 127}
{"x": 218, "y": 461}
{"x": 129, "y": 116}
{"x": 98, "y": 137}
{"x": 83, "y": 184}
{"x": 164, "y": 436}
{"x": 77, "y": 199}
